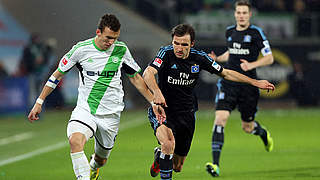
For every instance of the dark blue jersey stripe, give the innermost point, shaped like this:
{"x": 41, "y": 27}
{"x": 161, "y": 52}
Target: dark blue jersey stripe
{"x": 163, "y": 51}
{"x": 230, "y": 27}
{"x": 202, "y": 53}
{"x": 260, "y": 31}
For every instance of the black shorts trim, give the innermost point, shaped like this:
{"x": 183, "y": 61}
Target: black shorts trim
{"x": 102, "y": 145}
{"x": 84, "y": 124}
{"x": 92, "y": 133}
{"x": 153, "y": 120}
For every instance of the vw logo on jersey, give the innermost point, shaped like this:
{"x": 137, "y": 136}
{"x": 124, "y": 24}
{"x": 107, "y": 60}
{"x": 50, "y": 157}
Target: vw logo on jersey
{"x": 195, "y": 69}
{"x": 115, "y": 59}
{"x": 229, "y": 38}
{"x": 247, "y": 38}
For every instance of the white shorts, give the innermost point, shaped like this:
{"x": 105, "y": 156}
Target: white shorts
{"x": 104, "y": 128}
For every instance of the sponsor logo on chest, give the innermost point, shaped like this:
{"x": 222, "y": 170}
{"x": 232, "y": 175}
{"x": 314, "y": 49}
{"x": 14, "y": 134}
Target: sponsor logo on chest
{"x": 182, "y": 80}
{"x": 236, "y": 49}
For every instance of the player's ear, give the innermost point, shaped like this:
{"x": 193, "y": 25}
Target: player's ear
{"x": 192, "y": 43}
{"x": 98, "y": 32}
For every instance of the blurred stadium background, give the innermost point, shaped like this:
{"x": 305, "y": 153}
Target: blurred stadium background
{"x": 291, "y": 112}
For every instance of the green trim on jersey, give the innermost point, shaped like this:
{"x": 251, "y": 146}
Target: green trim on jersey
{"x": 133, "y": 75}
{"x": 61, "y": 71}
{"x": 102, "y": 83}
{"x": 80, "y": 44}
{"x": 119, "y": 43}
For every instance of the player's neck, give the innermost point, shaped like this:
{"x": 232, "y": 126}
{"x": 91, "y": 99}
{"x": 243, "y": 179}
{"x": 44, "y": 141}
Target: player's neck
{"x": 97, "y": 43}
{"x": 242, "y": 28}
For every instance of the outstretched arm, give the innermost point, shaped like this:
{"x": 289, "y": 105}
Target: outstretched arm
{"x": 222, "y": 58}
{"x": 47, "y": 89}
{"x": 139, "y": 83}
{"x": 232, "y": 75}
{"x": 149, "y": 77}
{"x": 264, "y": 61}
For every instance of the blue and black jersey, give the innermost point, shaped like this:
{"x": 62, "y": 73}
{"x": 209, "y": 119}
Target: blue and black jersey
{"x": 246, "y": 44}
{"x": 178, "y": 77}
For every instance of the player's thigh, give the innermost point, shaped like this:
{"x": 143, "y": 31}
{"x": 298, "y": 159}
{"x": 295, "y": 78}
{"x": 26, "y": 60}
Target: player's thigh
{"x": 178, "y": 162}
{"x": 106, "y": 133}
{"x": 248, "y": 103}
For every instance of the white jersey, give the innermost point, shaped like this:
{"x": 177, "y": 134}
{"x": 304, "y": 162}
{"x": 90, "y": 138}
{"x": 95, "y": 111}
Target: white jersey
{"x": 100, "y": 87}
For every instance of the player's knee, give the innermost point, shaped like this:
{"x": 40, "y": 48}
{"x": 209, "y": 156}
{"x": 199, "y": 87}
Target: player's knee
{"x": 221, "y": 119}
{"x": 218, "y": 122}
{"x": 76, "y": 143}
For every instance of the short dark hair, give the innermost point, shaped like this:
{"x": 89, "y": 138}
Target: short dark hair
{"x": 183, "y": 29}
{"x": 243, "y": 3}
{"x": 110, "y": 21}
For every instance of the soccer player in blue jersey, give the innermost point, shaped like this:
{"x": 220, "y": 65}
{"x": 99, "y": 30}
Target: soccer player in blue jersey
{"x": 100, "y": 61}
{"x": 178, "y": 67}
{"x": 244, "y": 42}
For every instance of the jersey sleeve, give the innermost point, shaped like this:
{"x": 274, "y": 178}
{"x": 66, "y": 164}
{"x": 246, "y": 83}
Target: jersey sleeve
{"x": 158, "y": 62}
{"x": 263, "y": 43}
{"x": 130, "y": 66}
{"x": 69, "y": 60}
{"x": 228, "y": 33}
{"x": 210, "y": 65}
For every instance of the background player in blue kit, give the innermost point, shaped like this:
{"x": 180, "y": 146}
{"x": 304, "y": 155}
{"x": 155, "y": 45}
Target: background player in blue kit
{"x": 244, "y": 42}
{"x": 178, "y": 67}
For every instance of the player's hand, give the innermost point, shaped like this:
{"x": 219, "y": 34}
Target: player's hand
{"x": 159, "y": 99}
{"x": 159, "y": 112}
{"x": 264, "y": 84}
{"x": 34, "y": 113}
{"x": 213, "y": 55}
{"x": 245, "y": 65}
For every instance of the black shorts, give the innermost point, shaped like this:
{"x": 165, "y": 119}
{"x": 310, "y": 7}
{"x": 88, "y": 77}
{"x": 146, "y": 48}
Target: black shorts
{"x": 182, "y": 125}
{"x": 246, "y": 97}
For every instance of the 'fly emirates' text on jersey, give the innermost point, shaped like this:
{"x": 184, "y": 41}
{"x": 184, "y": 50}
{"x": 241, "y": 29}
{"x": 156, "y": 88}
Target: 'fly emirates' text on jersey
{"x": 178, "y": 77}
{"x": 100, "y": 87}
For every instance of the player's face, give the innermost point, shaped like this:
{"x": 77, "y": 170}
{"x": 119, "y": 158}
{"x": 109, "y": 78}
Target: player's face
{"x": 106, "y": 38}
{"x": 182, "y": 45}
{"x": 242, "y": 15}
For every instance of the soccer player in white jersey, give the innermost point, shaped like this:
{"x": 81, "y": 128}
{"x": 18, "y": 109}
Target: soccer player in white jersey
{"x": 100, "y": 100}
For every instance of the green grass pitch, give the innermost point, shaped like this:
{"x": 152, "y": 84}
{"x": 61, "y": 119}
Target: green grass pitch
{"x": 40, "y": 151}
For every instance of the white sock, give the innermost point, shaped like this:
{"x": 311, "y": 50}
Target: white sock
{"x": 93, "y": 164}
{"x": 81, "y": 165}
